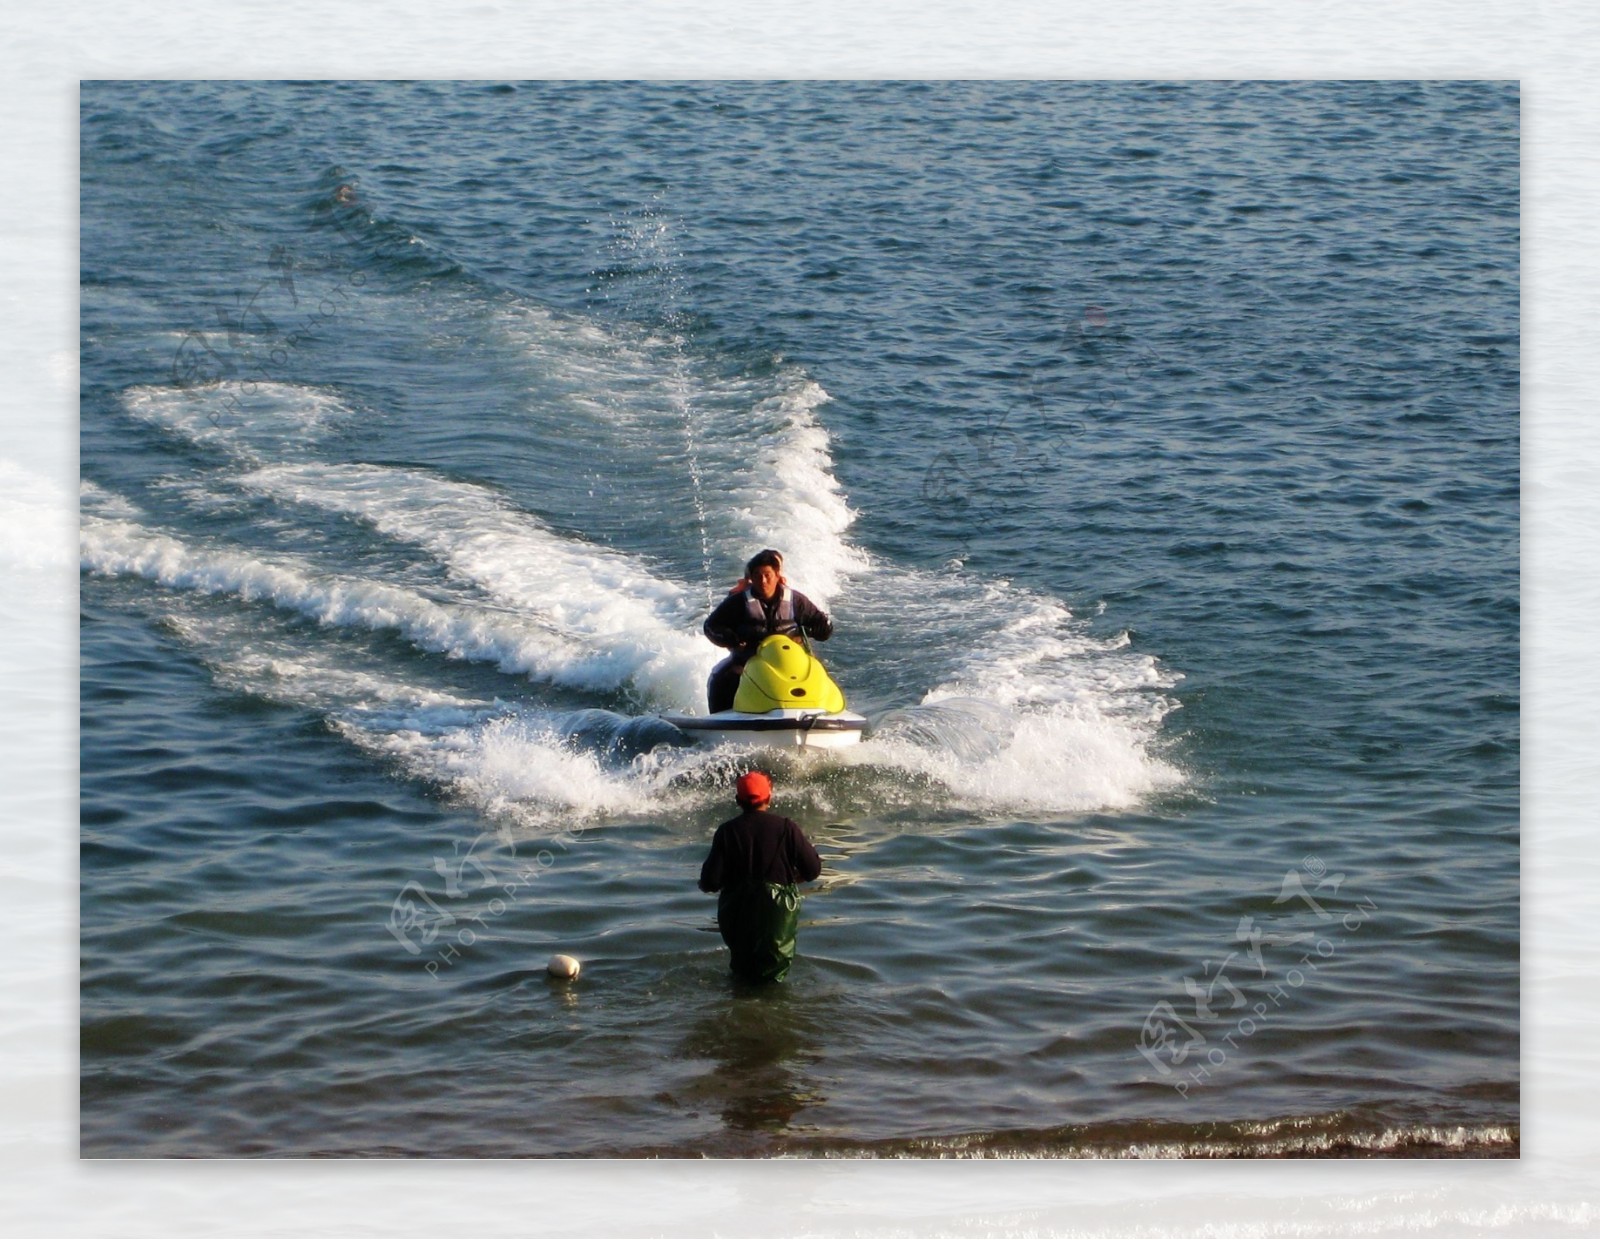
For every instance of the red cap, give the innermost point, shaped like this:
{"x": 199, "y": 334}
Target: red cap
{"x": 753, "y": 788}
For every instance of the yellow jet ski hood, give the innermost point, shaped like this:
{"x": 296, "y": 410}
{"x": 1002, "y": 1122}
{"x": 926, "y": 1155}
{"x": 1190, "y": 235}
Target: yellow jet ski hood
{"x": 784, "y": 675}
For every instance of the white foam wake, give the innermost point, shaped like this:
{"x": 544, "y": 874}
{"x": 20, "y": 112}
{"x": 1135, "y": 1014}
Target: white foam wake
{"x": 248, "y": 658}
{"x": 600, "y": 600}
{"x": 1020, "y": 710}
{"x": 515, "y": 766}
{"x": 1035, "y": 714}
{"x": 521, "y": 770}
{"x": 787, "y": 497}
{"x": 457, "y": 631}
{"x": 764, "y": 478}
{"x": 250, "y": 421}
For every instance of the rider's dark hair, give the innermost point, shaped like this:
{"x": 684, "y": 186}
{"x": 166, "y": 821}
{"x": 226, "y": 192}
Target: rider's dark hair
{"x": 768, "y": 558}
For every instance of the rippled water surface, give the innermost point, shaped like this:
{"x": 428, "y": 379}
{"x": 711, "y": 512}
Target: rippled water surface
{"x": 1154, "y": 447}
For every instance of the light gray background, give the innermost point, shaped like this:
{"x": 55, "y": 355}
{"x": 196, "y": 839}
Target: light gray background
{"x": 1551, "y": 48}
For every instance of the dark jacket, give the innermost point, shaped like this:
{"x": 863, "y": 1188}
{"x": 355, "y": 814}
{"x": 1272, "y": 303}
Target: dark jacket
{"x": 756, "y": 859}
{"x": 732, "y": 627}
{"x": 761, "y": 847}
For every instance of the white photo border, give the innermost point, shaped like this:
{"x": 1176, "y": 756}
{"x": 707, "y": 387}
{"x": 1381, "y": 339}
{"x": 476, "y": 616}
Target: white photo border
{"x": 1551, "y": 49}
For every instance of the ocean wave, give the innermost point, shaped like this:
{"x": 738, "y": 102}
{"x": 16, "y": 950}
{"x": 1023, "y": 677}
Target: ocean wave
{"x": 1322, "y": 1136}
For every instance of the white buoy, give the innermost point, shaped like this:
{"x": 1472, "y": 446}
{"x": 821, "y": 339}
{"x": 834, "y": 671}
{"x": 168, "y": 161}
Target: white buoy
{"x": 564, "y": 967}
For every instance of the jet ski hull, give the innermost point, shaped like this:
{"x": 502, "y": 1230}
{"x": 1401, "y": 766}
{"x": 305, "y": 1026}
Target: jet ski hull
{"x": 810, "y": 729}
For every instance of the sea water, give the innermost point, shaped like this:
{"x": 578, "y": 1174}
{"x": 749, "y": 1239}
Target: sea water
{"x": 1154, "y": 447}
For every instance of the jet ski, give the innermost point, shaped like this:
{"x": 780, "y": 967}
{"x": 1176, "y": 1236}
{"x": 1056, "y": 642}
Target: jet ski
{"x": 785, "y": 697}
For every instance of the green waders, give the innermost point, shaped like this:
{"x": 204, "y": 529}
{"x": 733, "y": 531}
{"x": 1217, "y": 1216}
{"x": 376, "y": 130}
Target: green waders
{"x": 758, "y": 923}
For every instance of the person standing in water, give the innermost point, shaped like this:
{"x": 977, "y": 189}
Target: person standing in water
{"x": 758, "y": 607}
{"x": 755, "y": 864}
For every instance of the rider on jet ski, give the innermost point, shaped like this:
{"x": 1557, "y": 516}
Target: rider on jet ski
{"x": 759, "y": 606}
